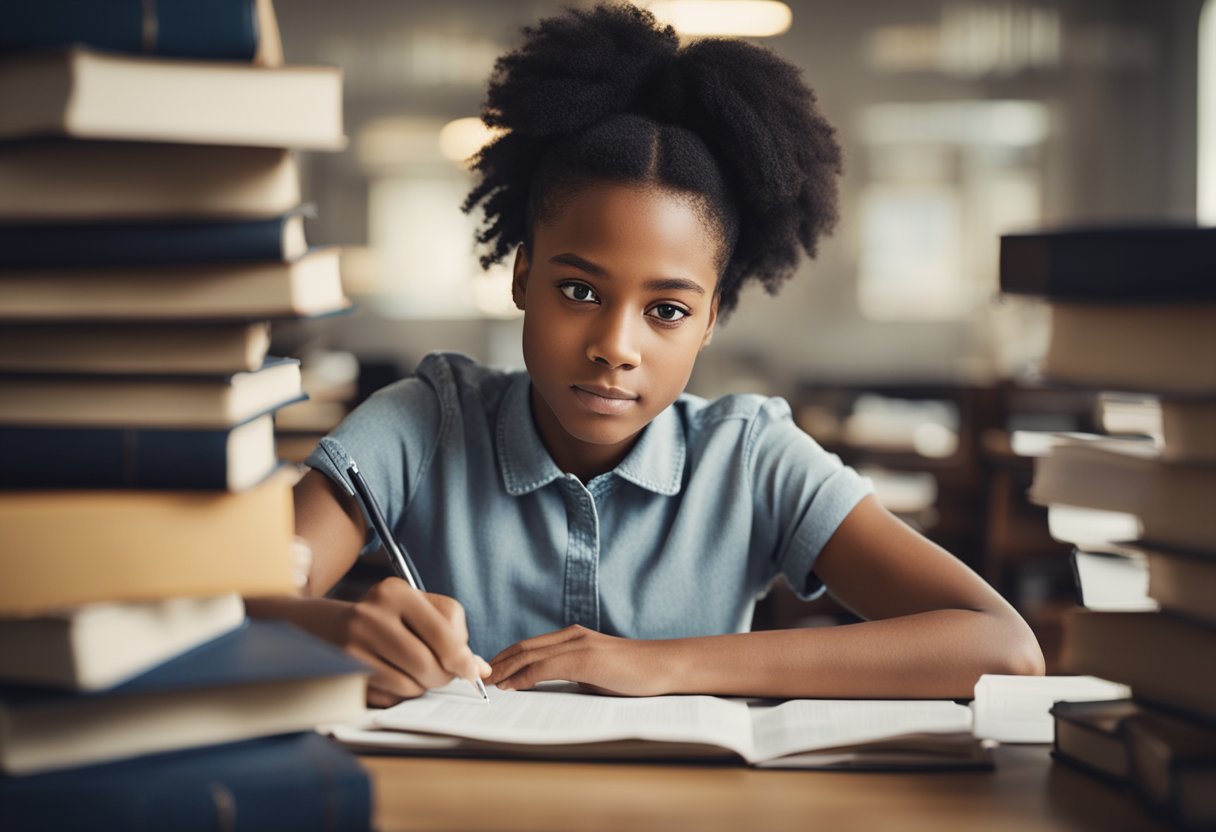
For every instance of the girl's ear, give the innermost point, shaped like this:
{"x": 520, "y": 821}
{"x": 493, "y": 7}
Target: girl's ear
{"x": 519, "y": 283}
{"x": 713, "y": 319}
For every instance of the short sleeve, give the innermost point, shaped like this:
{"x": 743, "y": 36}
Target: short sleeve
{"x": 802, "y": 492}
{"x": 392, "y": 436}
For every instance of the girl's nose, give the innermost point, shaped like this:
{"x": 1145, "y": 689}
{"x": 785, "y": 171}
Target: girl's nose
{"x": 613, "y": 342}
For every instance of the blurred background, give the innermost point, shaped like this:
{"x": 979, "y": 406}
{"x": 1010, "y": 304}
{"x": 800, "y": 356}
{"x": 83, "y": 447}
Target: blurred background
{"x": 960, "y": 121}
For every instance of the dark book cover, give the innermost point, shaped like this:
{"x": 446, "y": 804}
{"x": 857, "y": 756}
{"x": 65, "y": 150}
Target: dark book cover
{"x": 1158, "y": 263}
{"x": 260, "y": 651}
{"x": 208, "y": 29}
{"x": 297, "y": 782}
{"x": 270, "y": 362}
{"x": 97, "y": 457}
{"x": 114, "y": 244}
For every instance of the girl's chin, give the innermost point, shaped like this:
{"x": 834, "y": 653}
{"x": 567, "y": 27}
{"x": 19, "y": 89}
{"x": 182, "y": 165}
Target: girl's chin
{"x": 610, "y": 430}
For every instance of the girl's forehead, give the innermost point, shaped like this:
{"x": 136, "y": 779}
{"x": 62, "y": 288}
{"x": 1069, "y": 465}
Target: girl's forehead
{"x": 647, "y": 221}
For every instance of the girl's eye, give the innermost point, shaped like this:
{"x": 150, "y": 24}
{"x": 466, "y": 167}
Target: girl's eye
{"x": 669, "y": 312}
{"x": 580, "y": 292}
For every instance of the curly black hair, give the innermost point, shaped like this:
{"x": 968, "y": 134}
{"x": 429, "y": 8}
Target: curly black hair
{"x": 608, "y": 94}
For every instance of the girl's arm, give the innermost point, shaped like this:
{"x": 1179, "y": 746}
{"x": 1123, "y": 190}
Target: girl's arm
{"x": 411, "y": 640}
{"x": 933, "y": 626}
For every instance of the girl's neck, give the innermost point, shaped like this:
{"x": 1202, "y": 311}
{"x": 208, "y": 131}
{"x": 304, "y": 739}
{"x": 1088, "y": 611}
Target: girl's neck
{"x": 586, "y": 460}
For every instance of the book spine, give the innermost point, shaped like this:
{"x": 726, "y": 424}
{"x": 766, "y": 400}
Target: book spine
{"x": 37, "y": 457}
{"x": 203, "y": 29}
{"x": 140, "y": 244}
{"x": 298, "y": 782}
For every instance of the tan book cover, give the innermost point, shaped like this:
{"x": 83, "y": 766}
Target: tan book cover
{"x": 61, "y": 548}
{"x": 149, "y": 348}
{"x": 311, "y": 285}
{"x": 1161, "y": 348}
{"x": 87, "y": 94}
{"x": 148, "y": 401}
{"x": 60, "y": 180}
{"x": 1170, "y": 502}
{"x": 1162, "y": 658}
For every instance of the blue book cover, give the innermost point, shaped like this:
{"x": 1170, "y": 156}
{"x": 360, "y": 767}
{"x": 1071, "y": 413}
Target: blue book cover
{"x": 148, "y": 400}
{"x": 263, "y": 679}
{"x": 228, "y": 459}
{"x": 113, "y": 244}
{"x": 206, "y": 29}
{"x": 297, "y": 782}
{"x": 260, "y": 651}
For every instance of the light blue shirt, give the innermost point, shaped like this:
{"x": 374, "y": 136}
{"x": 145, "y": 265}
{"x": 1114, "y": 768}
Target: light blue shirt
{"x": 713, "y": 501}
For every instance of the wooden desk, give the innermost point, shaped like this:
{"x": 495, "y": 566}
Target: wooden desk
{"x": 1026, "y": 792}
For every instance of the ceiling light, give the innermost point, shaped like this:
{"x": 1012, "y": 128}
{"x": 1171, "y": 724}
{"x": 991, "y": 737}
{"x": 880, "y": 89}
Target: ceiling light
{"x": 461, "y": 139}
{"x": 736, "y": 18}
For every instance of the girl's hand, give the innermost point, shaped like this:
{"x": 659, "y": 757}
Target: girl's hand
{"x": 603, "y": 664}
{"x": 412, "y": 640}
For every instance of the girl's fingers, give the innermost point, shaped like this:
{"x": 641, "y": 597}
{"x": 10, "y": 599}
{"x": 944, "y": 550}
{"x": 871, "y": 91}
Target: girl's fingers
{"x": 506, "y": 669}
{"x": 438, "y": 624}
{"x": 559, "y": 665}
{"x": 380, "y": 632}
{"x": 537, "y": 642}
{"x": 387, "y": 685}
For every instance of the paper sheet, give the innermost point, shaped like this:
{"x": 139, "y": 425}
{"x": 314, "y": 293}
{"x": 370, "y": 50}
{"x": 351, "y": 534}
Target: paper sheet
{"x": 810, "y": 724}
{"x": 556, "y": 718}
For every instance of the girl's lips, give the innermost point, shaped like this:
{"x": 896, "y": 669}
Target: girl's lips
{"x": 607, "y": 402}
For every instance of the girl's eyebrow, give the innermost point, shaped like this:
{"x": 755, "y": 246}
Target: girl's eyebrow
{"x": 658, "y": 284}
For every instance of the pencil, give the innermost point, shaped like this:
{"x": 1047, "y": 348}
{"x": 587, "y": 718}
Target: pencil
{"x": 400, "y": 561}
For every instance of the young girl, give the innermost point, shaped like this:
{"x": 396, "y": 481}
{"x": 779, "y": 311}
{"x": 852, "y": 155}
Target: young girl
{"x": 587, "y": 520}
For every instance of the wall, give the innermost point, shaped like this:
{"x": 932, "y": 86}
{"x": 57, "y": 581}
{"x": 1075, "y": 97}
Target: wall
{"x": 1121, "y": 147}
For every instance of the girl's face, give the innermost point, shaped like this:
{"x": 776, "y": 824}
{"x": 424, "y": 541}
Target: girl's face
{"x": 618, "y": 296}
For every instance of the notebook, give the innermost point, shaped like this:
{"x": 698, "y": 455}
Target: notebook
{"x": 554, "y": 721}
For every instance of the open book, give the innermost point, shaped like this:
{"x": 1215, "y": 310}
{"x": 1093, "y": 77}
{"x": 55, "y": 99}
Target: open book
{"x": 554, "y": 722}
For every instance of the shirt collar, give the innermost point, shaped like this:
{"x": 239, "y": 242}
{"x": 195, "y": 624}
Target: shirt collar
{"x": 656, "y": 461}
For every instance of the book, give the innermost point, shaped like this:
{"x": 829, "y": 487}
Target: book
{"x": 1173, "y": 765}
{"x": 1092, "y": 528}
{"x": 235, "y": 30}
{"x": 58, "y": 180}
{"x": 127, "y": 401}
{"x": 87, "y": 94}
{"x": 1111, "y": 580}
{"x": 296, "y": 447}
{"x": 1128, "y": 263}
{"x": 147, "y": 348}
{"x": 1170, "y": 501}
{"x": 300, "y": 782}
{"x": 1184, "y": 430}
{"x": 63, "y": 548}
{"x": 1018, "y": 708}
{"x": 1183, "y": 583}
{"x": 206, "y": 292}
{"x": 94, "y": 646}
{"x": 265, "y": 678}
{"x": 227, "y": 459}
{"x": 310, "y": 416}
{"x": 553, "y": 722}
{"x": 1167, "y": 348}
{"x": 118, "y": 243}
{"x": 1089, "y": 735}
{"x": 1165, "y": 660}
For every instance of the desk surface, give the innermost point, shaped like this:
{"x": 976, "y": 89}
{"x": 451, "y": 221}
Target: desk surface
{"x": 1025, "y": 792}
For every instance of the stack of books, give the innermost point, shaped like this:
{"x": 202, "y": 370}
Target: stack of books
{"x": 331, "y": 382}
{"x": 150, "y": 228}
{"x": 1133, "y": 316}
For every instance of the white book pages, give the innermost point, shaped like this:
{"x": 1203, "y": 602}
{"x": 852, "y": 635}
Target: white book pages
{"x": 1016, "y": 708}
{"x": 559, "y": 718}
